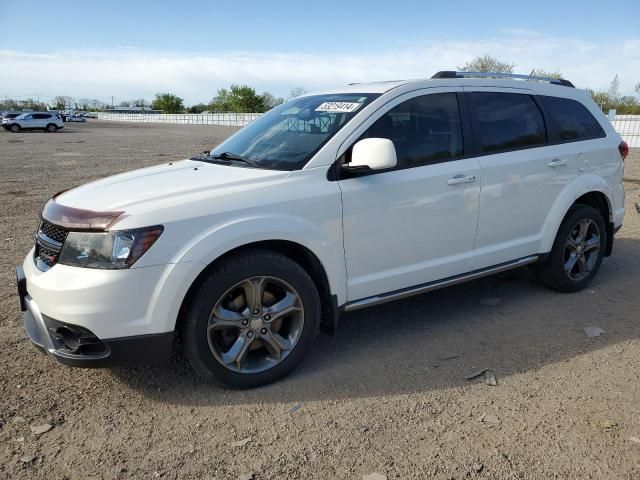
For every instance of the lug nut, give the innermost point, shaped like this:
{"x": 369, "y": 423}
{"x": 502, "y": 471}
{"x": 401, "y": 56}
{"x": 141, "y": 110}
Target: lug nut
{"x": 263, "y": 331}
{"x": 267, "y": 317}
{"x": 245, "y": 322}
{"x": 256, "y": 311}
{"x": 250, "y": 334}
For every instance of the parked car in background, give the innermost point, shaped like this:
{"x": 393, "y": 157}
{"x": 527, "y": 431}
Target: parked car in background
{"x": 331, "y": 202}
{"x": 47, "y": 121}
{"x": 9, "y": 115}
{"x": 76, "y": 118}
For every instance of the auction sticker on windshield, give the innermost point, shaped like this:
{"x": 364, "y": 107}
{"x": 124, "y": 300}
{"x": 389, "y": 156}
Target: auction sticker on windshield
{"x": 338, "y": 107}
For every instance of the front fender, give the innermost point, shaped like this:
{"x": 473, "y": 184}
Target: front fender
{"x": 581, "y": 185}
{"x": 325, "y": 243}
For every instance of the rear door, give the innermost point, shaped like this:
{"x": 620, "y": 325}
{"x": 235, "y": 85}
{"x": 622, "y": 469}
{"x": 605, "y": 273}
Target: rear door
{"x": 41, "y": 119}
{"x": 522, "y": 172}
{"x": 415, "y": 223}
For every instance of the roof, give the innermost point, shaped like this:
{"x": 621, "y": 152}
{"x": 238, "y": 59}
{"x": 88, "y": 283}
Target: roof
{"x": 521, "y": 82}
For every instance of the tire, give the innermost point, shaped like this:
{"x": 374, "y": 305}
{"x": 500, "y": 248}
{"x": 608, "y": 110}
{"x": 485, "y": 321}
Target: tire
{"x": 51, "y": 128}
{"x": 576, "y": 256}
{"x": 15, "y": 128}
{"x": 276, "y": 345}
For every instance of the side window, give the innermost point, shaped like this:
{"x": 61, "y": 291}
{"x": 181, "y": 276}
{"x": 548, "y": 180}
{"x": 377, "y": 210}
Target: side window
{"x": 39, "y": 116}
{"x": 424, "y": 130}
{"x": 570, "y": 120}
{"x": 507, "y": 121}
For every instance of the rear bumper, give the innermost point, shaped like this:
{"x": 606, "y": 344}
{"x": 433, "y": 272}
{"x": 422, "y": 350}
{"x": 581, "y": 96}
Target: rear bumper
{"x": 48, "y": 335}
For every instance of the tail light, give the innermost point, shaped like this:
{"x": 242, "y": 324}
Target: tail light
{"x": 623, "y": 148}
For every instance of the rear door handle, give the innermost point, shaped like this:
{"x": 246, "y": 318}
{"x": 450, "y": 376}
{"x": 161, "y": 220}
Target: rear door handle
{"x": 558, "y": 162}
{"x": 461, "y": 179}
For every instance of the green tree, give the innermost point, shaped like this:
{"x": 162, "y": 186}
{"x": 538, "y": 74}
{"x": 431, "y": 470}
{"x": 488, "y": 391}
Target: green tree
{"x": 168, "y": 103}
{"x": 637, "y": 88}
{"x": 487, "y": 63}
{"x": 271, "y": 101}
{"x": 239, "y": 99}
{"x": 198, "y": 108}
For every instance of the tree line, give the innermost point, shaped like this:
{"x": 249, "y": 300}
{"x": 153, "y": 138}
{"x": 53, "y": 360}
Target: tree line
{"x": 245, "y": 99}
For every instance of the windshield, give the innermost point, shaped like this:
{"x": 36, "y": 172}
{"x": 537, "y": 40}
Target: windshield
{"x": 286, "y": 137}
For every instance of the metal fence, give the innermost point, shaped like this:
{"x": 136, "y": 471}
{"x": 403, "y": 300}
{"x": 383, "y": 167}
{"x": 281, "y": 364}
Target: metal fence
{"x": 628, "y": 126}
{"x": 229, "y": 119}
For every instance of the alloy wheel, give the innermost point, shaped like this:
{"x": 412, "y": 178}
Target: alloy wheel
{"x": 582, "y": 249}
{"x": 255, "y": 324}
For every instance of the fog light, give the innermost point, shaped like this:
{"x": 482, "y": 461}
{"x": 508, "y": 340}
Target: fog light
{"x": 69, "y": 338}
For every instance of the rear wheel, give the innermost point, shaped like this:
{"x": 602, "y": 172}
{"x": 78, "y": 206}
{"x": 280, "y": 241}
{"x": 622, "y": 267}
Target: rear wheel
{"x": 51, "y": 128}
{"x": 252, "y": 321}
{"x": 577, "y": 251}
{"x": 15, "y": 128}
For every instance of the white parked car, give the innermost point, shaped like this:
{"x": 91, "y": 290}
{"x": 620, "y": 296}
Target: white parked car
{"x": 76, "y": 118}
{"x": 329, "y": 203}
{"x": 47, "y": 121}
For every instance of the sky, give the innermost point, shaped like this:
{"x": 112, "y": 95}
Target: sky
{"x": 134, "y": 49}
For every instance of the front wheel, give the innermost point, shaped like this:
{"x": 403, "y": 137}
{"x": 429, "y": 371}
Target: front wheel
{"x": 577, "y": 251}
{"x": 15, "y": 128}
{"x": 51, "y": 128}
{"x": 252, "y": 320}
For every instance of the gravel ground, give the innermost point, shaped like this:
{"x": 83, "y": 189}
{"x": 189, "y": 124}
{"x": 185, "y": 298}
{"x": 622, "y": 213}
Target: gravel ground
{"x": 387, "y": 394}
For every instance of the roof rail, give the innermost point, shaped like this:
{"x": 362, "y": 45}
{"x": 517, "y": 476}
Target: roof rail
{"x": 454, "y": 74}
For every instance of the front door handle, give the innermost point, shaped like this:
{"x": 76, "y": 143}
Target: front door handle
{"x": 558, "y": 162}
{"x": 461, "y": 179}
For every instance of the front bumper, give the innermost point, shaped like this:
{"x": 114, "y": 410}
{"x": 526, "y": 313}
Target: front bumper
{"x": 51, "y": 336}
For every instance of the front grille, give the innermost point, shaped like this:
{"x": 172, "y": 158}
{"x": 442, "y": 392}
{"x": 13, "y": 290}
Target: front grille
{"x": 52, "y": 231}
{"x": 47, "y": 256}
{"x": 49, "y": 241}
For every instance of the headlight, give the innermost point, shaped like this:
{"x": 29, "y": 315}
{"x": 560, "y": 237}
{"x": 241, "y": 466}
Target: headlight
{"x": 109, "y": 250}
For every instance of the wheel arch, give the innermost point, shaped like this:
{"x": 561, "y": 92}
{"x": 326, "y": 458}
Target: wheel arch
{"x": 300, "y": 254}
{"x": 587, "y": 190}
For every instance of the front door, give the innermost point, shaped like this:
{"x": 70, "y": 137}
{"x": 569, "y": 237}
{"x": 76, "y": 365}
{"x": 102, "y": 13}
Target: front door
{"x": 416, "y": 223}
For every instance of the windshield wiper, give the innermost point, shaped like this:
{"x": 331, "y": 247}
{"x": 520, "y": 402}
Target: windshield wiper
{"x": 232, "y": 156}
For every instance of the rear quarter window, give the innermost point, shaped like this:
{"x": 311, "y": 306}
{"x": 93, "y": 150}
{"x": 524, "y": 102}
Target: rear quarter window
{"x": 570, "y": 121}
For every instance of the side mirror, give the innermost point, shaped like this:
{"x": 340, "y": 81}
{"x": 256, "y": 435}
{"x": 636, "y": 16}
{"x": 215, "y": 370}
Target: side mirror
{"x": 372, "y": 154}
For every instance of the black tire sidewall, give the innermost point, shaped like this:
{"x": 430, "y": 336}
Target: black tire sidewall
{"x": 48, "y": 129}
{"x": 576, "y": 214}
{"x": 15, "y": 128}
{"x": 220, "y": 280}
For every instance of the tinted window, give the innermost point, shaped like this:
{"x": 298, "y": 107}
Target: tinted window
{"x": 424, "y": 130}
{"x": 508, "y": 121}
{"x": 40, "y": 116}
{"x": 570, "y": 120}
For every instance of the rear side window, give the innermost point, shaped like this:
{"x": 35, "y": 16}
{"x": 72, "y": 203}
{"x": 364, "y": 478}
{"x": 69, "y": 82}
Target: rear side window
{"x": 41, "y": 116}
{"x": 424, "y": 130}
{"x": 570, "y": 121}
{"x": 507, "y": 121}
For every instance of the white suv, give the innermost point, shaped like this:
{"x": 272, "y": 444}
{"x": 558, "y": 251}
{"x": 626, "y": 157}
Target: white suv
{"x": 329, "y": 203}
{"x": 47, "y": 121}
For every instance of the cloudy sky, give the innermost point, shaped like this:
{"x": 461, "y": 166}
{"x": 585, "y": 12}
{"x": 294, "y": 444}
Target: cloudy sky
{"x": 100, "y": 49}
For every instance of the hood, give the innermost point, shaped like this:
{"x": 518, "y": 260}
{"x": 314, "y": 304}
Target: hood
{"x": 163, "y": 184}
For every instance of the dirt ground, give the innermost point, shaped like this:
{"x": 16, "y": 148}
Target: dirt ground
{"x": 387, "y": 394}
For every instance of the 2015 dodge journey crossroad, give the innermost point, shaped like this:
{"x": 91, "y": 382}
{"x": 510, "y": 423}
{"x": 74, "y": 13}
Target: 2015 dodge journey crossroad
{"x": 332, "y": 202}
